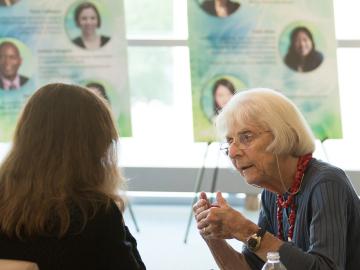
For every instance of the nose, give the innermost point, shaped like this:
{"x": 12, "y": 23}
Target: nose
{"x": 234, "y": 150}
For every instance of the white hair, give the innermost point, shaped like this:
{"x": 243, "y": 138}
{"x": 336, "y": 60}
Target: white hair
{"x": 269, "y": 110}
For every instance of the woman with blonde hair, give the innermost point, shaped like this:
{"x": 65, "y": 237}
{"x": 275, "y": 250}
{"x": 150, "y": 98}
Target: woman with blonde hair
{"x": 59, "y": 184}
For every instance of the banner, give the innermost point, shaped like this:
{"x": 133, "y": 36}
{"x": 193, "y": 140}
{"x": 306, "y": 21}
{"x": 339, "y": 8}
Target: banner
{"x": 286, "y": 45}
{"x": 79, "y": 42}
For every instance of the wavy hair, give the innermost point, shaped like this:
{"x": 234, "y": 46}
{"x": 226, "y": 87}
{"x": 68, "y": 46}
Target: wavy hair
{"x": 292, "y": 58}
{"x": 269, "y": 110}
{"x": 63, "y": 156}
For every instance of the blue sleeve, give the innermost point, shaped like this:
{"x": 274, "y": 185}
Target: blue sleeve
{"x": 328, "y": 231}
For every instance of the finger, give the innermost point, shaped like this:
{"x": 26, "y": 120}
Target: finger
{"x": 220, "y": 199}
{"x": 213, "y": 231}
{"x": 199, "y": 211}
{"x": 203, "y": 196}
{"x": 202, "y": 222}
{"x": 202, "y": 215}
{"x": 200, "y": 203}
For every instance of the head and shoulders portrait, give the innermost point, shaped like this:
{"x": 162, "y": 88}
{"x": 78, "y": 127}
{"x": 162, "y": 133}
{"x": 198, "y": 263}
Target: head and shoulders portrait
{"x": 88, "y": 22}
{"x": 217, "y": 92}
{"x": 222, "y": 92}
{"x": 220, "y": 8}
{"x": 98, "y": 89}
{"x": 10, "y": 63}
{"x": 302, "y": 54}
{"x": 8, "y": 3}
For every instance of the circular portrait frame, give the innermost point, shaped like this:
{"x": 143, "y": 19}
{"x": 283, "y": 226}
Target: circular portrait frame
{"x": 317, "y": 38}
{"x": 105, "y": 29}
{"x": 26, "y": 68}
{"x": 208, "y": 92}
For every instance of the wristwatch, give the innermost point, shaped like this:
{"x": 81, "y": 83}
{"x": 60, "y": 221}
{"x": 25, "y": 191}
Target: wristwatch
{"x": 253, "y": 242}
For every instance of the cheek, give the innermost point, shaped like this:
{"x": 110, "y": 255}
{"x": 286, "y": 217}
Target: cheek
{"x": 268, "y": 165}
{"x": 308, "y": 46}
{"x": 263, "y": 161}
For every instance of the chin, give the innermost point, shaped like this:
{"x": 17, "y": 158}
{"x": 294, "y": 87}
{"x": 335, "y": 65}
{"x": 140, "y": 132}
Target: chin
{"x": 252, "y": 179}
{"x": 253, "y": 182}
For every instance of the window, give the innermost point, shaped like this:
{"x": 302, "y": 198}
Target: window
{"x": 160, "y": 76}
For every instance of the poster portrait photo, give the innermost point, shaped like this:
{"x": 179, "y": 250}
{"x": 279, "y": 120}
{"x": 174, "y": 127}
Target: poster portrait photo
{"x": 220, "y": 8}
{"x": 99, "y": 89}
{"x": 10, "y": 63}
{"x": 222, "y": 92}
{"x": 302, "y": 55}
{"x": 216, "y": 93}
{"x": 88, "y": 21}
{"x": 7, "y": 3}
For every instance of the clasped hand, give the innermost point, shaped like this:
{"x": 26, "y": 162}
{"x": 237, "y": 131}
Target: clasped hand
{"x": 219, "y": 220}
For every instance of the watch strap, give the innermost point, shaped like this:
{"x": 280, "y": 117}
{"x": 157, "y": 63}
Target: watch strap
{"x": 261, "y": 232}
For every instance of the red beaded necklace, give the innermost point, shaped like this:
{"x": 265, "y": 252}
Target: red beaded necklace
{"x": 283, "y": 204}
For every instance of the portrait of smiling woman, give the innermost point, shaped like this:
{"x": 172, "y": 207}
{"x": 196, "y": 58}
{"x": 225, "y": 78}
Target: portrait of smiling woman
{"x": 302, "y": 55}
{"x": 88, "y": 20}
{"x": 222, "y": 91}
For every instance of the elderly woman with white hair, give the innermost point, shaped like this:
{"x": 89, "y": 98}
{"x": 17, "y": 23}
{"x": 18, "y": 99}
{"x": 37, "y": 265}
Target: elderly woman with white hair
{"x": 310, "y": 212}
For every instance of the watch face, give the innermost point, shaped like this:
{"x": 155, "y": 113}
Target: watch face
{"x": 252, "y": 242}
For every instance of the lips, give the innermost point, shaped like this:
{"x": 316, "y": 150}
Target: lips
{"x": 246, "y": 167}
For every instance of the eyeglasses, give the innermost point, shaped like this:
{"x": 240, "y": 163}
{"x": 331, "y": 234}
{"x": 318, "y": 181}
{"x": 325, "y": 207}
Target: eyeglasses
{"x": 244, "y": 139}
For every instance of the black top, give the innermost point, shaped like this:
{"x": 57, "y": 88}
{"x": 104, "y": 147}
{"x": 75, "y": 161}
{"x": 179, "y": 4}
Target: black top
{"x": 79, "y": 41}
{"x": 104, "y": 244}
{"x": 326, "y": 234}
{"x": 311, "y": 62}
{"x": 23, "y": 80}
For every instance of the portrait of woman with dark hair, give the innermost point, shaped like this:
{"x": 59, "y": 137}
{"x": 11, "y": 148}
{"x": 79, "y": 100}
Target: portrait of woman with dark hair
{"x": 302, "y": 55}
{"x": 7, "y": 3}
{"x": 59, "y": 186}
{"x": 220, "y": 8}
{"x": 222, "y": 92}
{"x": 99, "y": 89}
{"x": 88, "y": 19}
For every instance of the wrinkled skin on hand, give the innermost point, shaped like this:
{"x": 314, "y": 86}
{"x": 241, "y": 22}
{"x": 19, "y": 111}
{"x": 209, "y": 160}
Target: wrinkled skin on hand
{"x": 220, "y": 221}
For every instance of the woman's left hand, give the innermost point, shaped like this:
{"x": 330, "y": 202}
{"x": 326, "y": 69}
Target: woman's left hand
{"x": 221, "y": 221}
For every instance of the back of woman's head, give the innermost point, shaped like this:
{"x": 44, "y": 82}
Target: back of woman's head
{"x": 270, "y": 110}
{"x": 63, "y": 153}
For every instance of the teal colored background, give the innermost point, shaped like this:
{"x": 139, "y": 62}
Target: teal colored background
{"x": 315, "y": 93}
{"x": 61, "y": 55}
